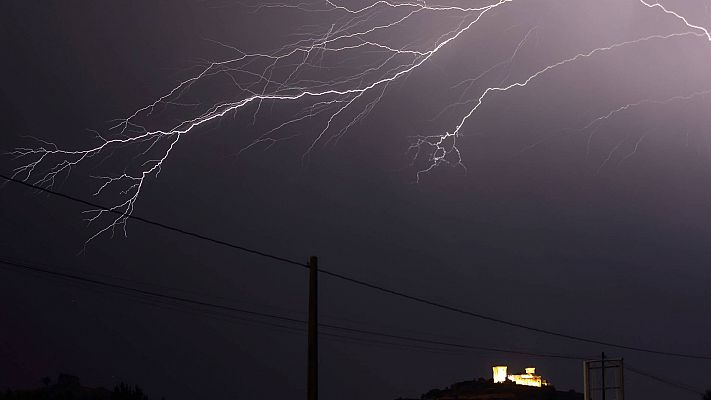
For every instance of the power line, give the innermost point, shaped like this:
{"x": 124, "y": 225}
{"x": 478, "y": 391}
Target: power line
{"x": 510, "y": 323}
{"x": 221, "y": 307}
{"x": 40, "y": 268}
{"x": 135, "y": 290}
{"x": 293, "y": 329}
{"x": 146, "y": 284}
{"x": 667, "y": 382}
{"x": 155, "y": 223}
{"x": 363, "y": 283}
{"x": 301, "y": 330}
{"x": 335, "y": 336}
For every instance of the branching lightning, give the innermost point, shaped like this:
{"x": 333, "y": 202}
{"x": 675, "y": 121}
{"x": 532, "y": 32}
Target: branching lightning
{"x": 291, "y": 76}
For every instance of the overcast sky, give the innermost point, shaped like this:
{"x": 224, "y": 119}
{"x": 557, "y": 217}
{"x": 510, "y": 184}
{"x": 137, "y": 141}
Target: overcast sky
{"x": 601, "y": 232}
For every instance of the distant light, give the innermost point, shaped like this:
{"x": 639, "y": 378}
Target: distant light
{"x": 527, "y": 379}
{"x": 500, "y": 374}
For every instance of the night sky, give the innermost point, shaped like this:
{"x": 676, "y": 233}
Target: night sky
{"x": 601, "y": 232}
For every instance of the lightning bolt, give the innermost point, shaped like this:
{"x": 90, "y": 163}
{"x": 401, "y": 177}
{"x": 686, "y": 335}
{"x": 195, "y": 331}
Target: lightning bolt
{"x": 292, "y": 74}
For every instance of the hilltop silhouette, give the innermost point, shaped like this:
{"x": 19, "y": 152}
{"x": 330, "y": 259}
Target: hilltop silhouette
{"x": 68, "y": 387}
{"x": 486, "y": 389}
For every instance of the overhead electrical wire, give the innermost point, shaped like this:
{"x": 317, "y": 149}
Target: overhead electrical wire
{"x": 257, "y": 314}
{"x": 449, "y": 347}
{"x": 665, "y": 381}
{"x": 363, "y": 283}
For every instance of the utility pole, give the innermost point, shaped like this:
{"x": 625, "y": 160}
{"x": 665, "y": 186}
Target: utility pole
{"x": 613, "y": 383}
{"x": 602, "y": 374}
{"x": 312, "y": 373}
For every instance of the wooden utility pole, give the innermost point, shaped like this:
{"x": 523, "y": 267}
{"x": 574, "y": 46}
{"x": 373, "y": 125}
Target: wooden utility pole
{"x": 312, "y": 374}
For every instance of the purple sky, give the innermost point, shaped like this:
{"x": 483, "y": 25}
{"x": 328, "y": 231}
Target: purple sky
{"x": 556, "y": 217}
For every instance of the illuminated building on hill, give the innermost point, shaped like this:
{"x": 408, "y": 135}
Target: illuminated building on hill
{"x": 529, "y": 378}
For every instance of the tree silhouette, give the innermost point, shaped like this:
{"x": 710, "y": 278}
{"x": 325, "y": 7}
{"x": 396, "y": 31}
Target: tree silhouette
{"x": 126, "y": 392}
{"x": 68, "y": 387}
{"x": 707, "y": 396}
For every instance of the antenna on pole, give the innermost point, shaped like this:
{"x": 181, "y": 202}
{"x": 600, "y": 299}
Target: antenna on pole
{"x": 601, "y": 385}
